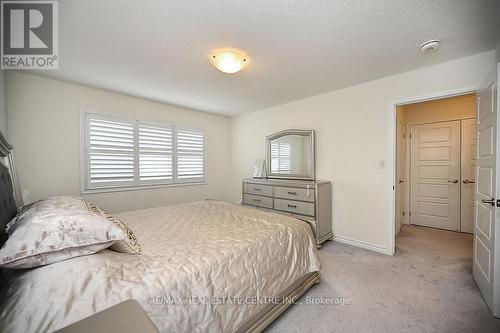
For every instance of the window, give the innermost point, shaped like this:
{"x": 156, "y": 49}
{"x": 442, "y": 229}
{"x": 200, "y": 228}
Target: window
{"x": 281, "y": 157}
{"x": 155, "y": 153}
{"x": 189, "y": 155}
{"x": 134, "y": 153}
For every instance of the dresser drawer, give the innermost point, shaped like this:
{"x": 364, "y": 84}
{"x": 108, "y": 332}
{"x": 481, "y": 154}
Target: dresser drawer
{"x": 297, "y": 207}
{"x": 294, "y": 193}
{"x": 258, "y": 189}
{"x": 258, "y": 200}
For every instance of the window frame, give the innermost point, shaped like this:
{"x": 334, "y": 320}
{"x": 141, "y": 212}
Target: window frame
{"x": 87, "y": 188}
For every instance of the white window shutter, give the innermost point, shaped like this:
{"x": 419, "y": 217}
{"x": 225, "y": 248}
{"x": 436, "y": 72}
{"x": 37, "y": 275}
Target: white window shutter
{"x": 134, "y": 153}
{"x": 281, "y": 157}
{"x": 155, "y": 153}
{"x": 275, "y": 160}
{"x": 190, "y": 155}
{"x": 110, "y": 152}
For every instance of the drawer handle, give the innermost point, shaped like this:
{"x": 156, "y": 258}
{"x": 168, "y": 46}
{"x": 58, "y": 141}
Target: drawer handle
{"x": 292, "y": 206}
{"x": 292, "y": 193}
{"x": 257, "y": 200}
{"x": 256, "y": 189}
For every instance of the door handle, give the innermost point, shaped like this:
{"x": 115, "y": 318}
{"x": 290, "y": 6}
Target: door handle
{"x": 491, "y": 201}
{"x": 454, "y": 181}
{"x": 401, "y": 181}
{"x": 466, "y": 181}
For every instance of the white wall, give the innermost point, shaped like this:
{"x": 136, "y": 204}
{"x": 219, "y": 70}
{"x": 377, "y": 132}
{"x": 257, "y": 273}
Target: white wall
{"x": 352, "y": 128}
{"x": 44, "y": 128}
{"x": 3, "y": 107}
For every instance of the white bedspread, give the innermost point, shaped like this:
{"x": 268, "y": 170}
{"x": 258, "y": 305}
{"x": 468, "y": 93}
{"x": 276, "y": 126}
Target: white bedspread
{"x": 212, "y": 259}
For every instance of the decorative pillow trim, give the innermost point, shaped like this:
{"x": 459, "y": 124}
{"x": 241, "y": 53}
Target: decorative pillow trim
{"x": 128, "y": 244}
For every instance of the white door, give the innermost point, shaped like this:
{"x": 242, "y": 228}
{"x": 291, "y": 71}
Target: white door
{"x": 435, "y": 174}
{"x": 400, "y": 176}
{"x": 486, "y": 261}
{"x": 468, "y": 188}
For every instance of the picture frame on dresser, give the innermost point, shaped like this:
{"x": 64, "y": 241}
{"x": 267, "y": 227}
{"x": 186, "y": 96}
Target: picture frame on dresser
{"x": 259, "y": 169}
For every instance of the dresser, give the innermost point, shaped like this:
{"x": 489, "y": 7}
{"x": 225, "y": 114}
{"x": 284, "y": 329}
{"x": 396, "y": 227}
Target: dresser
{"x": 309, "y": 201}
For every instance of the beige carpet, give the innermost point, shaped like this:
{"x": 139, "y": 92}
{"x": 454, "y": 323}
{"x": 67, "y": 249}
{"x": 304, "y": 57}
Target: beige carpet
{"x": 426, "y": 287}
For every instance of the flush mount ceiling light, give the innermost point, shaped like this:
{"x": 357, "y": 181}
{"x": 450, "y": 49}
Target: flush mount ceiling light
{"x": 228, "y": 61}
{"x": 429, "y": 46}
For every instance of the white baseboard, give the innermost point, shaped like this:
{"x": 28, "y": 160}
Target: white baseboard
{"x": 363, "y": 245}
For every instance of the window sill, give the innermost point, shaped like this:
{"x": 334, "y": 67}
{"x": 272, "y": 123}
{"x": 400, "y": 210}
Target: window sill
{"x": 138, "y": 188}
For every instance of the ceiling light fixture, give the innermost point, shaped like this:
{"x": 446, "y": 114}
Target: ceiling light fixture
{"x": 429, "y": 46}
{"x": 228, "y": 61}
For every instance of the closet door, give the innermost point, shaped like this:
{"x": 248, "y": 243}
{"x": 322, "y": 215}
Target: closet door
{"x": 468, "y": 161}
{"x": 435, "y": 175}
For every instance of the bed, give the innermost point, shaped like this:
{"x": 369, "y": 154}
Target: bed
{"x": 206, "y": 266}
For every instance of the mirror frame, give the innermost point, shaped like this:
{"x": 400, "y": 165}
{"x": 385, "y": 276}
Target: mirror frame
{"x": 312, "y": 162}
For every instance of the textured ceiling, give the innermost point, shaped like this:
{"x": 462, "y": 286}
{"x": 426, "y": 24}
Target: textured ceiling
{"x": 159, "y": 49}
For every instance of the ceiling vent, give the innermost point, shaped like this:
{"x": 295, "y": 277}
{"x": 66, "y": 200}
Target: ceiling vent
{"x": 429, "y": 46}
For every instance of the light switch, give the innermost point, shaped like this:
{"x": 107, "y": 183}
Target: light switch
{"x": 381, "y": 164}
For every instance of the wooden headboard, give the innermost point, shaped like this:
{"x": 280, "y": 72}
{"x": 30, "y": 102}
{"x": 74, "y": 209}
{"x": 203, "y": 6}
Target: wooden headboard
{"x": 10, "y": 196}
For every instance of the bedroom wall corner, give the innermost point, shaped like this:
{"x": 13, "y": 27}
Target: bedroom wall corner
{"x": 43, "y": 120}
{"x": 352, "y": 137}
{"x": 3, "y": 104}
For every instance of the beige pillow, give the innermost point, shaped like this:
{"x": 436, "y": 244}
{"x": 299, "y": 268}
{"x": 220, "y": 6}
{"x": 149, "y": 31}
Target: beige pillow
{"x": 56, "y": 229}
{"x": 127, "y": 245}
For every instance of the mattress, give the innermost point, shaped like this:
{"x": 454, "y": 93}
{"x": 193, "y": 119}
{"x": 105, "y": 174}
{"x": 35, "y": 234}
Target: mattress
{"x": 206, "y": 266}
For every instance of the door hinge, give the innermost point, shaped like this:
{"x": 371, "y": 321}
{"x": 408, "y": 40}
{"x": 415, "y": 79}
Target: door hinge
{"x": 409, "y": 213}
{"x": 498, "y": 202}
{"x": 403, "y": 213}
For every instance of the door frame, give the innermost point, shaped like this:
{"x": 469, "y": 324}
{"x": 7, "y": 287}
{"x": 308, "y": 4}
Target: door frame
{"x": 404, "y": 203}
{"x": 391, "y": 234}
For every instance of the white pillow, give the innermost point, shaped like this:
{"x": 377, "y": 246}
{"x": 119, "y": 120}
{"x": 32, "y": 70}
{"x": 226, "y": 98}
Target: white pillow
{"x": 53, "y": 230}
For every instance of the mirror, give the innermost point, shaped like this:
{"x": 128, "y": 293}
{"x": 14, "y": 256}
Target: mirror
{"x": 290, "y": 154}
